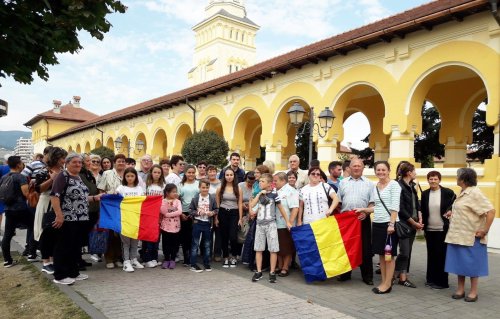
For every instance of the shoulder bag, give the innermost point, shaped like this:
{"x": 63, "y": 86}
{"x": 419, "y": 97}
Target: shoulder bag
{"x": 402, "y": 229}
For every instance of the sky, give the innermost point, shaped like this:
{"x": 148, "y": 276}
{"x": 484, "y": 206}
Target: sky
{"x": 148, "y": 52}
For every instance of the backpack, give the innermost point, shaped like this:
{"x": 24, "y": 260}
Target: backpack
{"x": 8, "y": 193}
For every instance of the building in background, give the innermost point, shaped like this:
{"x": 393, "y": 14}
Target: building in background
{"x": 24, "y": 148}
{"x": 57, "y": 120}
{"x": 225, "y": 41}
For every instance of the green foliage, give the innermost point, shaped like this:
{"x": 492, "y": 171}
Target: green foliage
{"x": 302, "y": 143}
{"x": 32, "y": 32}
{"x": 103, "y": 151}
{"x": 207, "y": 146}
{"x": 427, "y": 144}
{"x": 367, "y": 154}
{"x": 482, "y": 137}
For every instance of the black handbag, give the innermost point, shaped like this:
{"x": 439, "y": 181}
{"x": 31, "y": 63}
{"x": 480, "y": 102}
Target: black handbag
{"x": 402, "y": 229}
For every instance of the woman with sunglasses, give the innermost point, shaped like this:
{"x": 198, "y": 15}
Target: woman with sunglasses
{"x": 314, "y": 198}
{"x": 202, "y": 170}
{"x": 95, "y": 167}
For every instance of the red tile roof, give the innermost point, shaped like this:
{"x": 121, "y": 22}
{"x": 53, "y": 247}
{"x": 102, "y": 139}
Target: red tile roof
{"x": 68, "y": 113}
{"x": 397, "y": 26}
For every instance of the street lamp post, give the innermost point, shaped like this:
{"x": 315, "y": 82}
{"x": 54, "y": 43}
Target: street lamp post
{"x": 139, "y": 146}
{"x": 326, "y": 117}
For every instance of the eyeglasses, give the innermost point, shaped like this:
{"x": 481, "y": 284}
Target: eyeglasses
{"x": 202, "y": 167}
{"x": 315, "y": 174}
{"x": 96, "y": 162}
{"x": 147, "y": 161}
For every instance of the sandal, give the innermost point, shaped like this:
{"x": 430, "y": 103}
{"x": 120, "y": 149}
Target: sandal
{"x": 283, "y": 273}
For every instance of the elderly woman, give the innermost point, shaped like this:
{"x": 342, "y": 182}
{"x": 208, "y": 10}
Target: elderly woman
{"x": 95, "y": 167}
{"x": 385, "y": 214}
{"x": 436, "y": 209}
{"x": 471, "y": 219}
{"x": 314, "y": 198}
{"x": 70, "y": 199}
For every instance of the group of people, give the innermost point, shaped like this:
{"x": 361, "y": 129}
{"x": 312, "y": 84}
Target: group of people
{"x": 235, "y": 216}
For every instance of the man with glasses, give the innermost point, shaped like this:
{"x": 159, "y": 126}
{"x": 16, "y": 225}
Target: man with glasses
{"x": 235, "y": 166}
{"x": 302, "y": 178}
{"x": 146, "y": 164}
{"x": 177, "y": 167}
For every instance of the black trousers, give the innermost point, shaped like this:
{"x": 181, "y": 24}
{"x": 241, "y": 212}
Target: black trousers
{"x": 404, "y": 256}
{"x": 12, "y": 220}
{"x": 170, "y": 245}
{"x": 366, "y": 246}
{"x": 67, "y": 249}
{"x": 185, "y": 238}
{"x": 228, "y": 223}
{"x": 436, "y": 257}
{"x": 47, "y": 242}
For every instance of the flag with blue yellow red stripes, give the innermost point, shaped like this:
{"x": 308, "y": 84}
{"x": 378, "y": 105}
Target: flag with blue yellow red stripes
{"x": 329, "y": 247}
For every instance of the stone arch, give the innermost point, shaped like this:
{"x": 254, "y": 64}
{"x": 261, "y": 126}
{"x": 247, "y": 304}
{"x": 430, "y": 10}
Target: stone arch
{"x": 213, "y": 124}
{"x": 97, "y": 143}
{"x": 70, "y": 149}
{"x": 449, "y": 62}
{"x": 279, "y": 124}
{"x": 78, "y": 149}
{"x": 125, "y": 148}
{"x": 87, "y": 147}
{"x": 247, "y": 132}
{"x": 140, "y": 136}
{"x": 182, "y": 133}
{"x": 160, "y": 143}
{"x": 110, "y": 143}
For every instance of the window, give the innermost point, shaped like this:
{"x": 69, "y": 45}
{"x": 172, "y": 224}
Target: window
{"x": 230, "y": 68}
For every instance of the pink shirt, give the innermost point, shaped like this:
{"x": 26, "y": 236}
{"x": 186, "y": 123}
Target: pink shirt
{"x": 170, "y": 216}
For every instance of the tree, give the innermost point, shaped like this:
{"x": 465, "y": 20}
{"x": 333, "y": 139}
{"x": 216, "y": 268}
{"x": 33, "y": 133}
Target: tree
{"x": 32, "y": 32}
{"x": 482, "y": 137}
{"x": 366, "y": 154}
{"x": 103, "y": 151}
{"x": 427, "y": 144}
{"x": 302, "y": 144}
{"x": 207, "y": 146}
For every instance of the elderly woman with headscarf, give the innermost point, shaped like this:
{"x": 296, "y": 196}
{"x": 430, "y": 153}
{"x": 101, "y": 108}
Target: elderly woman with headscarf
{"x": 70, "y": 200}
{"x": 470, "y": 221}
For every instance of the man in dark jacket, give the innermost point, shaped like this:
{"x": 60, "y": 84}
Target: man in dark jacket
{"x": 436, "y": 211}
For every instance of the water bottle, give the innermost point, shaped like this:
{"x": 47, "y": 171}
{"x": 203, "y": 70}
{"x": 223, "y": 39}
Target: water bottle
{"x": 388, "y": 253}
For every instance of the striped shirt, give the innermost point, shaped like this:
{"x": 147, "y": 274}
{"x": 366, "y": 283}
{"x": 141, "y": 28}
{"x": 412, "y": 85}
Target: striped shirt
{"x": 391, "y": 196}
{"x": 32, "y": 169}
{"x": 356, "y": 193}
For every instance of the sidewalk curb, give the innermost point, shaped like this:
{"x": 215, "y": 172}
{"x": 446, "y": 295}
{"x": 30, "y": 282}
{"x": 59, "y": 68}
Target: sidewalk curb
{"x": 81, "y": 302}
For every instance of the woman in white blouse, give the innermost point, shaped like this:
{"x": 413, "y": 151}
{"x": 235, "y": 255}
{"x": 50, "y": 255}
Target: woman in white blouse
{"x": 385, "y": 215}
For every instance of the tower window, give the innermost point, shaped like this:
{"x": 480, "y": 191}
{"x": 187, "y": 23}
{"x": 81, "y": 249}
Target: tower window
{"x": 230, "y": 68}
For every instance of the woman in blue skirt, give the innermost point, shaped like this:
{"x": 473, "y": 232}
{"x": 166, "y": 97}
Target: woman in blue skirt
{"x": 472, "y": 216}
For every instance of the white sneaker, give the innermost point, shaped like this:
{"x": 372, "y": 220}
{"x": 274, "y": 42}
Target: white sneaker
{"x": 65, "y": 281}
{"x": 151, "y": 264}
{"x": 127, "y": 266}
{"x": 118, "y": 264}
{"x": 110, "y": 265}
{"x": 136, "y": 264}
{"x": 81, "y": 277}
{"x": 95, "y": 258}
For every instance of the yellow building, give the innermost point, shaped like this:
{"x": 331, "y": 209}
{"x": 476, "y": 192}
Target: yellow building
{"x": 444, "y": 52}
{"x": 55, "y": 121}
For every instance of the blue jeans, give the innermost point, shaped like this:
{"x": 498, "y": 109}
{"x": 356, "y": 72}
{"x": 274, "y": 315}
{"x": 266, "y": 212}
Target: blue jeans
{"x": 201, "y": 228}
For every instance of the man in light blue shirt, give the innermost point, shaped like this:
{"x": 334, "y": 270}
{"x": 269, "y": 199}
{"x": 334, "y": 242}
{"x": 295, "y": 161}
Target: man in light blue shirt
{"x": 356, "y": 192}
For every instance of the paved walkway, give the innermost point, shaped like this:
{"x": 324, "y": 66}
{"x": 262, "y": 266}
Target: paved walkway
{"x": 179, "y": 293}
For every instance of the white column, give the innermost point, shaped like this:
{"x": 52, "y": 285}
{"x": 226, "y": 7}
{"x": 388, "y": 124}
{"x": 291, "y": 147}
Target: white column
{"x": 327, "y": 151}
{"x": 380, "y": 153}
{"x": 455, "y": 154}
{"x": 273, "y": 153}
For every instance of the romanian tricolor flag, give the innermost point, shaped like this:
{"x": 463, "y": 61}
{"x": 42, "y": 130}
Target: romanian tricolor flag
{"x": 329, "y": 247}
{"x": 132, "y": 216}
